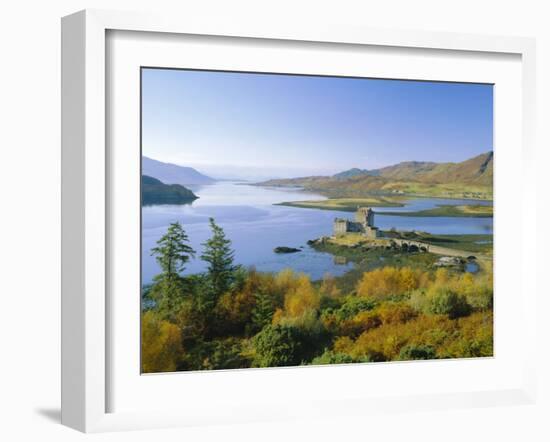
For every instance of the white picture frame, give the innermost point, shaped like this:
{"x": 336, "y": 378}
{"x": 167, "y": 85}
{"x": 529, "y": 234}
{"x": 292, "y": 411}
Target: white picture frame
{"x": 86, "y": 210}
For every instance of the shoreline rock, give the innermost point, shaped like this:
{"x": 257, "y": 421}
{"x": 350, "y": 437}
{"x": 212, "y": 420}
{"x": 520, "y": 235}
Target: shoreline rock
{"x": 284, "y": 249}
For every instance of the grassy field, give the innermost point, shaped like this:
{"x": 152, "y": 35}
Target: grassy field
{"x": 344, "y": 204}
{"x": 451, "y": 190}
{"x": 466, "y": 211}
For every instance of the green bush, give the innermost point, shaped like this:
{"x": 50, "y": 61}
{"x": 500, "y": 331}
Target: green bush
{"x": 352, "y": 306}
{"x": 225, "y": 354}
{"x": 415, "y": 352}
{"x": 331, "y": 357}
{"x": 446, "y": 302}
{"x": 481, "y": 298}
{"x": 278, "y": 346}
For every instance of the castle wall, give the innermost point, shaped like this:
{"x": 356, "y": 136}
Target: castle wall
{"x": 364, "y": 223}
{"x": 340, "y": 227}
{"x": 372, "y": 232}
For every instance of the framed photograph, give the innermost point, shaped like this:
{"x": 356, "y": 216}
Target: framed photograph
{"x": 267, "y": 222}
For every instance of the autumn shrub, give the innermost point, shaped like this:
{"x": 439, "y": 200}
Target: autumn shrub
{"x": 474, "y": 290}
{"x": 343, "y": 344}
{"x": 301, "y": 298}
{"x": 352, "y": 317}
{"x": 328, "y": 287}
{"x": 286, "y": 280}
{"x": 390, "y": 313}
{"x": 161, "y": 346}
{"x": 418, "y": 300}
{"x": 233, "y": 311}
{"x": 360, "y": 323}
{"x": 464, "y": 337}
{"x": 478, "y": 290}
{"x": 386, "y": 281}
{"x": 475, "y": 338}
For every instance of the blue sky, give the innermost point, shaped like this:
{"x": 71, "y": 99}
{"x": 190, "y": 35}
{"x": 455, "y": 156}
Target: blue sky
{"x": 251, "y": 126}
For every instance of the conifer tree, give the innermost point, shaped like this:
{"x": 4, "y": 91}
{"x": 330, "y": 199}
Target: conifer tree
{"x": 172, "y": 253}
{"x": 262, "y": 312}
{"x": 219, "y": 256}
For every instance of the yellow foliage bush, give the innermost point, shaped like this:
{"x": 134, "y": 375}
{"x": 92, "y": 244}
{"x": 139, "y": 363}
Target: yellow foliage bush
{"x": 301, "y": 298}
{"x": 344, "y": 345}
{"x": 387, "y": 281}
{"x": 286, "y": 280}
{"x": 476, "y": 289}
{"x": 392, "y": 313}
{"x": 237, "y": 307}
{"x": 464, "y": 337}
{"x": 360, "y": 323}
{"x": 328, "y": 287}
{"x": 161, "y": 344}
{"x": 277, "y": 316}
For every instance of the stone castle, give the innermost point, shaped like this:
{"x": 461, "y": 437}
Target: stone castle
{"x": 364, "y": 223}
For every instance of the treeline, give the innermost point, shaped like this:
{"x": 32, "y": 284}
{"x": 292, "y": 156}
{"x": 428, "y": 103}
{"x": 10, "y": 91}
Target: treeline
{"x": 232, "y": 317}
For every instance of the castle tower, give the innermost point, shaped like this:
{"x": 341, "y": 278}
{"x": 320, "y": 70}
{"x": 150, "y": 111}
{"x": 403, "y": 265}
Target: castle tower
{"x": 365, "y": 216}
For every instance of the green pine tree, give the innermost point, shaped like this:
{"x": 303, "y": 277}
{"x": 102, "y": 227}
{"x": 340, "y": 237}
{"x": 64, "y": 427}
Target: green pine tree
{"x": 172, "y": 253}
{"x": 219, "y": 256}
{"x": 262, "y": 313}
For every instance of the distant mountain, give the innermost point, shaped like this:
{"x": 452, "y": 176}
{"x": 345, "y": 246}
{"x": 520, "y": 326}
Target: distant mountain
{"x": 355, "y": 172}
{"x": 472, "y": 178}
{"x": 154, "y": 191}
{"x": 172, "y": 173}
{"x": 477, "y": 170}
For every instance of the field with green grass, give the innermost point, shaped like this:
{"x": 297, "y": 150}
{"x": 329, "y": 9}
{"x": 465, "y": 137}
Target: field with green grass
{"x": 469, "y": 211}
{"x": 344, "y": 204}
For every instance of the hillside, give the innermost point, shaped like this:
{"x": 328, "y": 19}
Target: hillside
{"x": 172, "y": 173}
{"x": 154, "y": 191}
{"x": 472, "y": 178}
{"x": 477, "y": 170}
{"x": 354, "y": 172}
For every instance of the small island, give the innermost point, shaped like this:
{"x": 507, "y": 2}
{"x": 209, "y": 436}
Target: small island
{"x": 283, "y": 249}
{"x": 154, "y": 191}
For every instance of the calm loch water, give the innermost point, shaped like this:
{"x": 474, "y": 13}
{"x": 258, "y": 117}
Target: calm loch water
{"x": 256, "y": 226}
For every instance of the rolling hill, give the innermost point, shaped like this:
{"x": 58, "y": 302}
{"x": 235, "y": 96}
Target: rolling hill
{"x": 477, "y": 170}
{"x": 172, "y": 173}
{"x": 472, "y": 178}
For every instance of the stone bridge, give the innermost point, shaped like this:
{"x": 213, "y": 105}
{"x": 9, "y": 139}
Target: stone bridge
{"x": 437, "y": 250}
